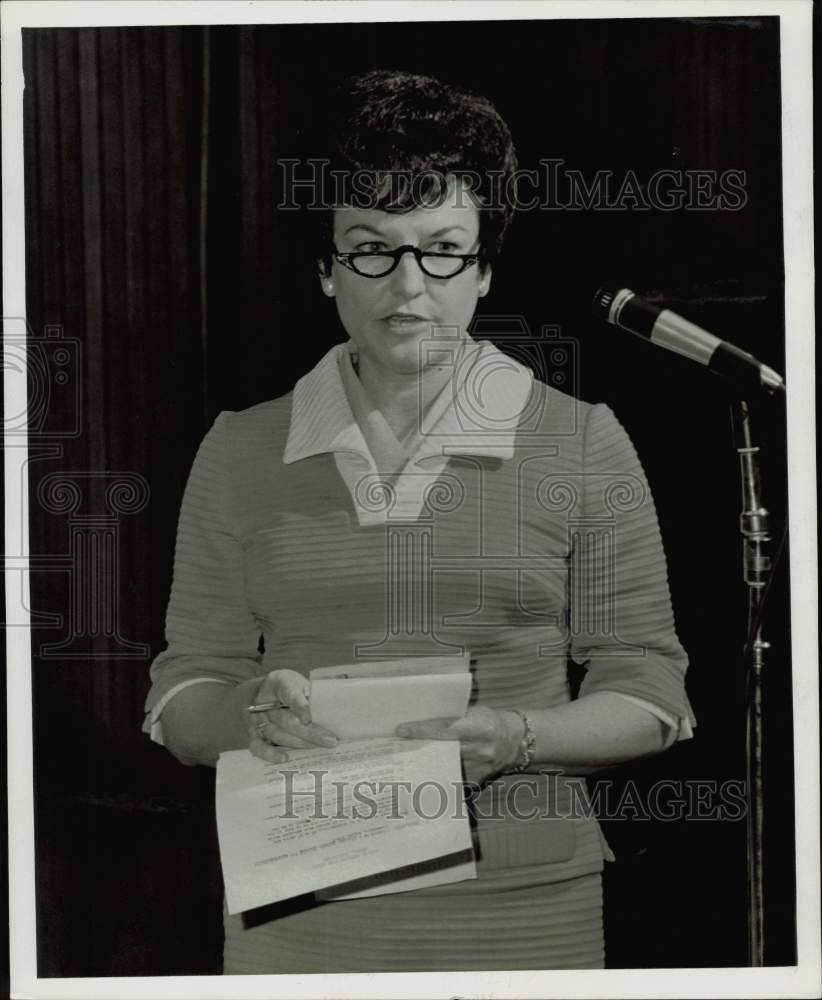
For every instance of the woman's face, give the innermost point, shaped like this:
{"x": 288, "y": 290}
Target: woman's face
{"x": 389, "y": 318}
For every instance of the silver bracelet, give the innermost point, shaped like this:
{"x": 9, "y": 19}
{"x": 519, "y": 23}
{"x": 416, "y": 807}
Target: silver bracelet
{"x": 527, "y": 745}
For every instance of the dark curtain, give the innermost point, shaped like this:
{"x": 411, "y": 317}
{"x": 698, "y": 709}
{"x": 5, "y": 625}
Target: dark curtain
{"x": 161, "y": 273}
{"x": 114, "y": 133}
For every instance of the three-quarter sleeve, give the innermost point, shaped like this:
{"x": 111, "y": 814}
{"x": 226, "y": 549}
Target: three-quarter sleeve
{"x": 622, "y": 623}
{"x": 211, "y": 633}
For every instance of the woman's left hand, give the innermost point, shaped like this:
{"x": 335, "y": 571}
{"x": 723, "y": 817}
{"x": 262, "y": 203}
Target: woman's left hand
{"x": 489, "y": 739}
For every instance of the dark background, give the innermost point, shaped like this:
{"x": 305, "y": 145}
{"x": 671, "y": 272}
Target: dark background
{"x": 153, "y": 241}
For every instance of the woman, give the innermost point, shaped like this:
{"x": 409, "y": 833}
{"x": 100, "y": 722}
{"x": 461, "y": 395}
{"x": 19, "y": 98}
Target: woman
{"x": 535, "y": 505}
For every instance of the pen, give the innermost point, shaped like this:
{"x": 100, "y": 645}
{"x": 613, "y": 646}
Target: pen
{"x": 265, "y": 706}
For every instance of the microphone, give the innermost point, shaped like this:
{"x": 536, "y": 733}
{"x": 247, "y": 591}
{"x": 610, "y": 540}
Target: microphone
{"x": 621, "y": 307}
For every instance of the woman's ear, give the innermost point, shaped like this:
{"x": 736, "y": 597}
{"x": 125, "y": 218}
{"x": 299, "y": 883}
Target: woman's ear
{"x": 485, "y": 280}
{"x": 326, "y": 280}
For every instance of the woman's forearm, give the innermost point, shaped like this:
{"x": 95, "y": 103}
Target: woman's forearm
{"x": 599, "y": 730}
{"x": 596, "y": 731}
{"x": 203, "y": 720}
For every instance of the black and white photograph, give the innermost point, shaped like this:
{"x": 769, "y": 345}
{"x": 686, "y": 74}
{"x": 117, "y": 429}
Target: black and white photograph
{"x": 410, "y": 553}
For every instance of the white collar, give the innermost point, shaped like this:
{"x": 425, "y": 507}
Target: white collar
{"x": 491, "y": 393}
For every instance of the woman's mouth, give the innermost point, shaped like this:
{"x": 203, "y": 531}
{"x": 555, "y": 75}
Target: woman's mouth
{"x": 405, "y": 321}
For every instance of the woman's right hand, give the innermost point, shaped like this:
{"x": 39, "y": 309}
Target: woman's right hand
{"x": 290, "y": 726}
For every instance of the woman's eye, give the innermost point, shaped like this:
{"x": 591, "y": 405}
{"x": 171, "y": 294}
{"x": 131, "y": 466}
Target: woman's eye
{"x": 443, "y": 246}
{"x": 373, "y": 247}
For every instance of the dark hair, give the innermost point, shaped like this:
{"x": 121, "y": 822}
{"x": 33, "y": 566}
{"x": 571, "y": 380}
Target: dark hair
{"x": 405, "y": 136}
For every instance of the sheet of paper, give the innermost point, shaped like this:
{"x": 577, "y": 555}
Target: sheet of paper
{"x": 407, "y": 667}
{"x": 329, "y": 817}
{"x": 374, "y": 706}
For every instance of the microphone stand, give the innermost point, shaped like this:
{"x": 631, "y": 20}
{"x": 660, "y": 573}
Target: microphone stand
{"x": 621, "y": 307}
{"x": 756, "y": 565}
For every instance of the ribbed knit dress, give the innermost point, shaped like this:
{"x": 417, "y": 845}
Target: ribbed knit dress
{"x": 526, "y": 541}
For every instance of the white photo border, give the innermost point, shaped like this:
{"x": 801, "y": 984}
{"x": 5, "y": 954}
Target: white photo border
{"x": 796, "y": 40}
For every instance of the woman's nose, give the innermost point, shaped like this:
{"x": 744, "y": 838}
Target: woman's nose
{"x": 408, "y": 277}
